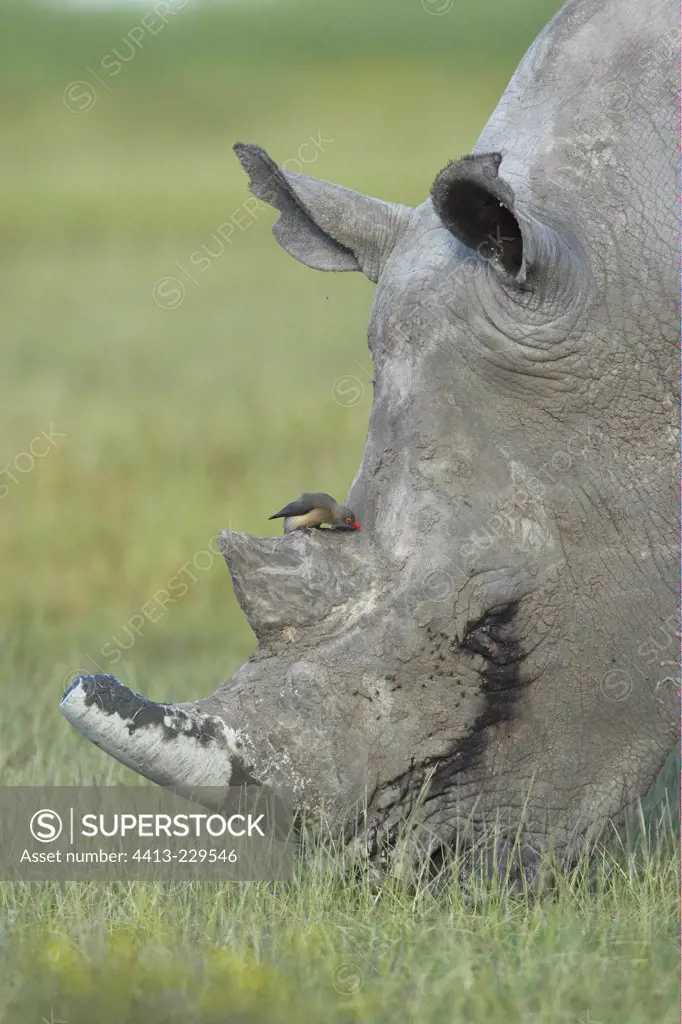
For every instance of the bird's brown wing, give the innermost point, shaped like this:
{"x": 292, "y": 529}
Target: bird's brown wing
{"x": 304, "y": 504}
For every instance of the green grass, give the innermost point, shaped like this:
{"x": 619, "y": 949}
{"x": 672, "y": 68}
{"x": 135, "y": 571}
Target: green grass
{"x": 179, "y": 422}
{"x": 323, "y": 948}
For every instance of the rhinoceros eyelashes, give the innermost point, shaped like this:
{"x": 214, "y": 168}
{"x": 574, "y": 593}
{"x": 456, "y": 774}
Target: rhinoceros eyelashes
{"x": 476, "y": 206}
{"x": 493, "y": 636}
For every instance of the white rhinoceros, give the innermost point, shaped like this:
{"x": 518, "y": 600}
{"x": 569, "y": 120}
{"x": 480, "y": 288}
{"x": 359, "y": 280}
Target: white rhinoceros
{"x": 488, "y": 650}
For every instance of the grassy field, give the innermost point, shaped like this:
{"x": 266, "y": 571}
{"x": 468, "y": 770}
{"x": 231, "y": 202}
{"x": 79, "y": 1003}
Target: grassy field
{"x": 135, "y": 426}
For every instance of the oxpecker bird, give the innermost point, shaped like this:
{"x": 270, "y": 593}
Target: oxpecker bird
{"x": 310, "y": 511}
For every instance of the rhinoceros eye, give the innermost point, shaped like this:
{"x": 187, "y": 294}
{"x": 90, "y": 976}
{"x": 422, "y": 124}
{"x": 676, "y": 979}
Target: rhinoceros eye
{"x": 493, "y": 635}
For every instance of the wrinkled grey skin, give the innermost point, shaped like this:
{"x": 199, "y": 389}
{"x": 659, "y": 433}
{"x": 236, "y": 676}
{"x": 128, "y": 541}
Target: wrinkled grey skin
{"x": 500, "y": 640}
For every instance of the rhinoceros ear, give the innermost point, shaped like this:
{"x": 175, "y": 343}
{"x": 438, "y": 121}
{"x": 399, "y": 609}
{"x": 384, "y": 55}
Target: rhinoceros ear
{"x": 325, "y": 226}
{"x": 477, "y": 206}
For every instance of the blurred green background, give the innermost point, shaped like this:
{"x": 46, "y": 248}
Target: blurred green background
{"x": 115, "y": 166}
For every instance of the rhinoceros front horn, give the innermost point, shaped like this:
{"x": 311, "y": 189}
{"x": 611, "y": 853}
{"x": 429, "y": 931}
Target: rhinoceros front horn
{"x": 175, "y": 745}
{"x": 281, "y": 584}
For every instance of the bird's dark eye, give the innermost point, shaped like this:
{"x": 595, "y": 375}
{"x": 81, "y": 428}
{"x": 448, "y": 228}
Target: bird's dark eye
{"x": 349, "y": 519}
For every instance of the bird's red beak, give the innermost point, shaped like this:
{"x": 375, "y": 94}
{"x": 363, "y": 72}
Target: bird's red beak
{"x": 356, "y": 526}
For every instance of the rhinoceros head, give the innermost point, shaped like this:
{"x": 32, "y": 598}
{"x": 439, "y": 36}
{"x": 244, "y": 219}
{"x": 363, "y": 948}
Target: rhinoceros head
{"x": 487, "y": 650}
